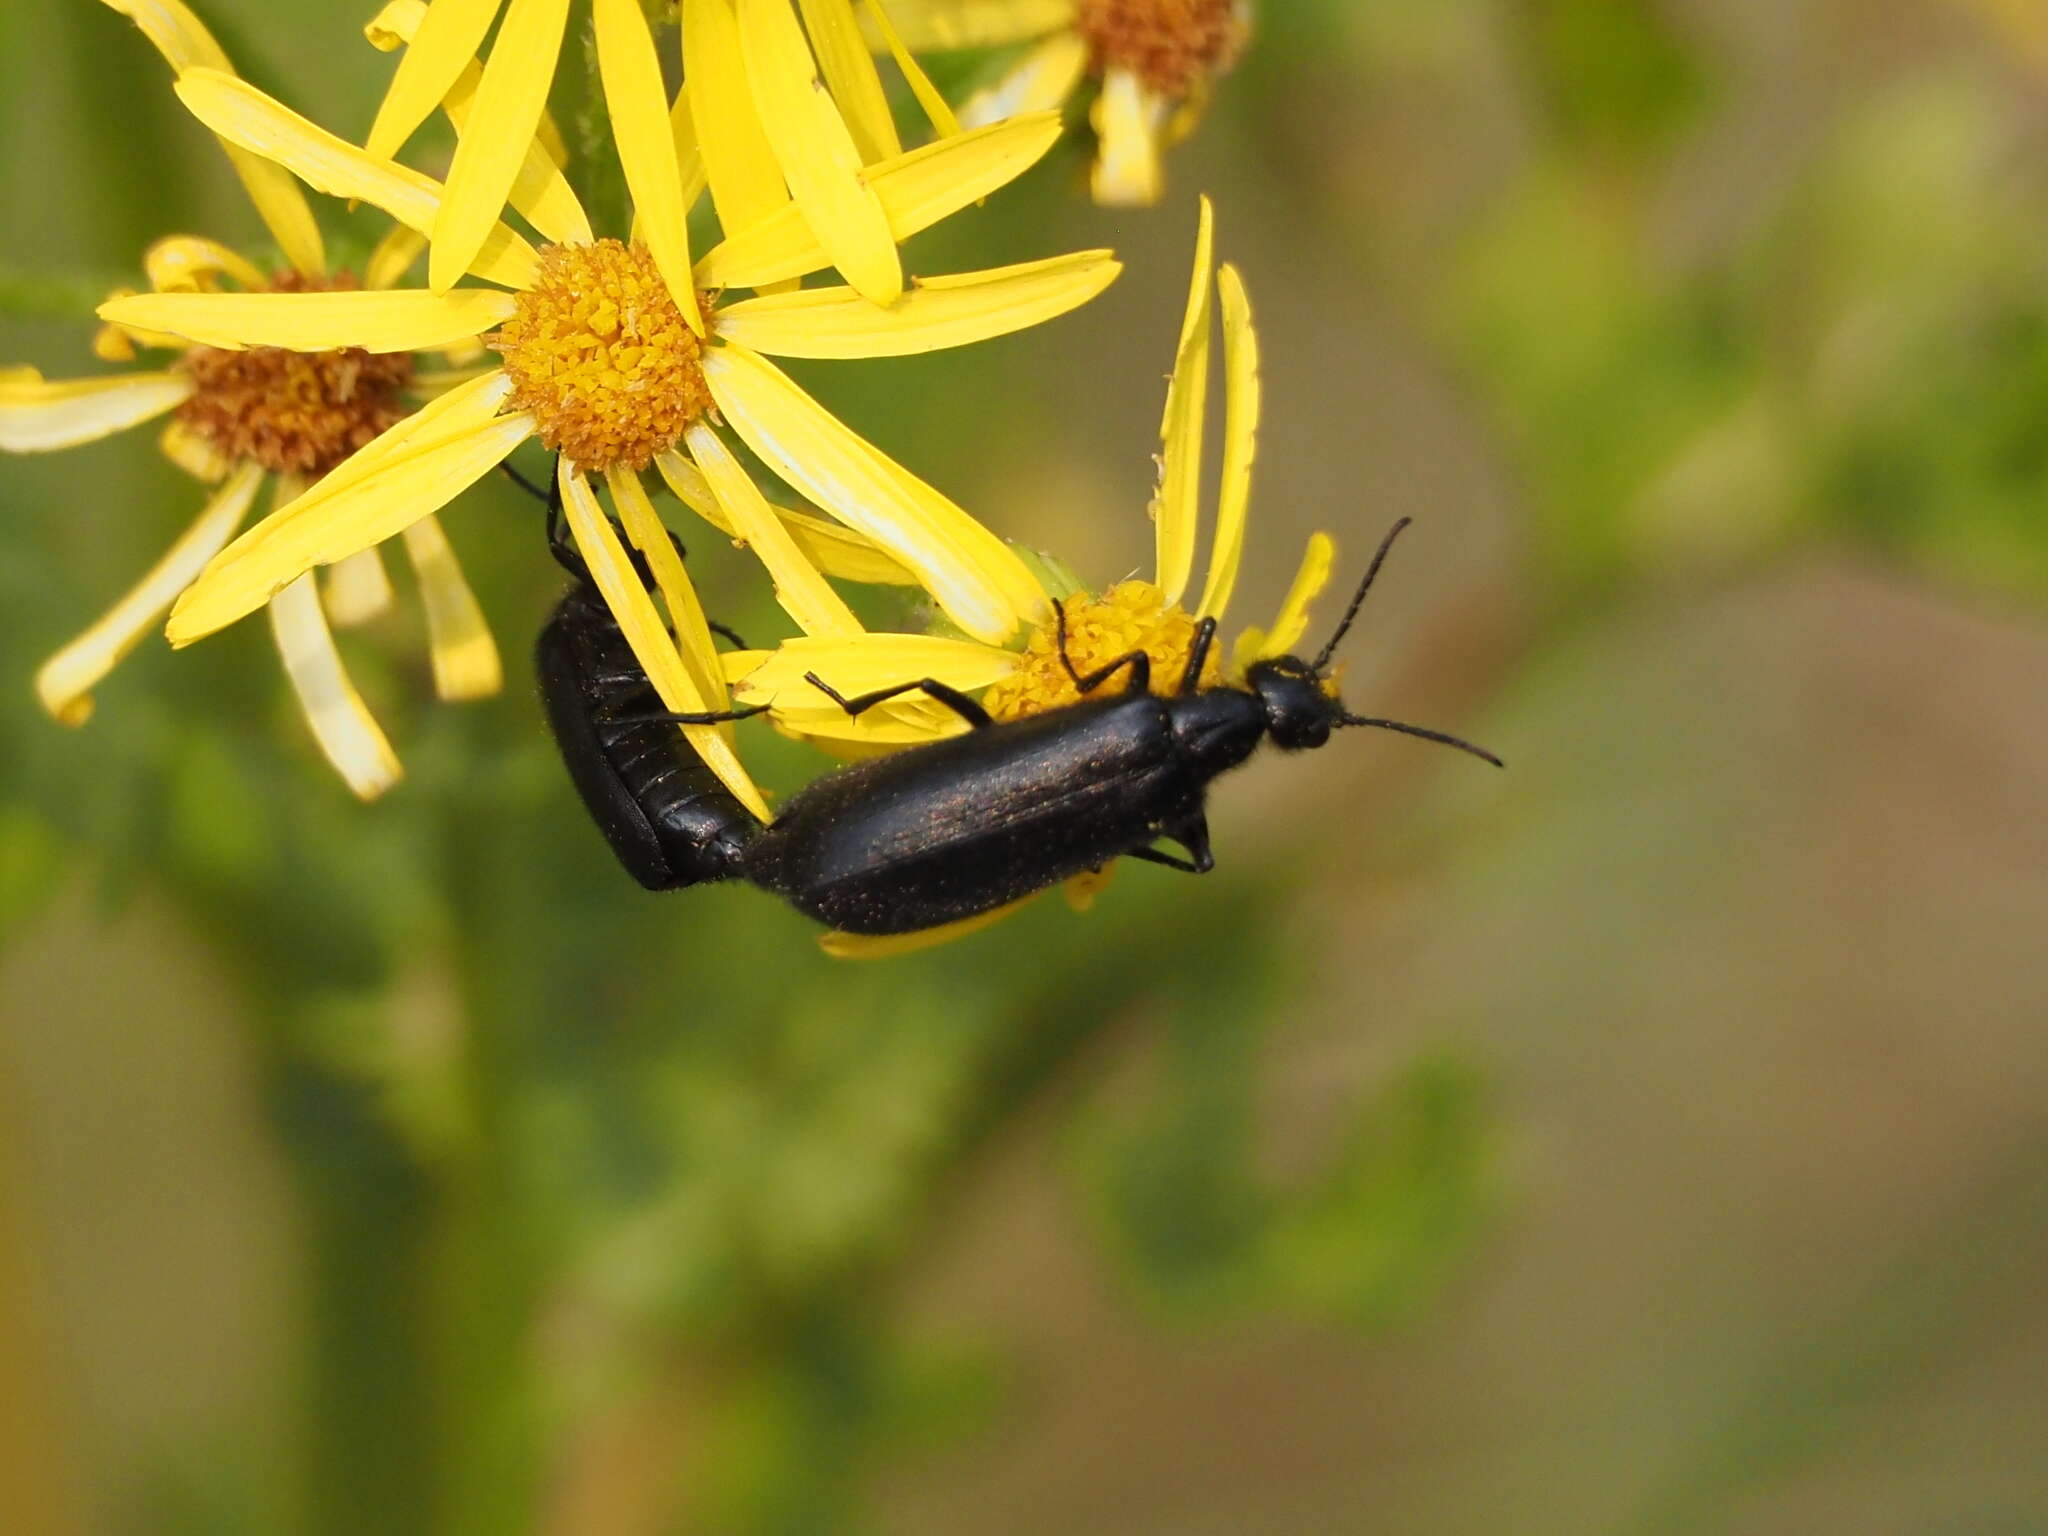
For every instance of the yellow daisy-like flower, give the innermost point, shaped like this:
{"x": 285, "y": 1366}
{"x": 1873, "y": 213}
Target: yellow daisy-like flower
{"x": 767, "y": 134}
{"x": 240, "y": 419}
{"x": 1152, "y": 616}
{"x": 620, "y": 356}
{"x": 1156, "y": 61}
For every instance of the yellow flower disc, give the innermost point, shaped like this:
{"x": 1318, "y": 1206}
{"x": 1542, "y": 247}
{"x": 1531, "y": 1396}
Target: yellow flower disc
{"x": 599, "y": 352}
{"x": 294, "y": 413}
{"x": 1130, "y": 616}
{"x": 1171, "y": 45}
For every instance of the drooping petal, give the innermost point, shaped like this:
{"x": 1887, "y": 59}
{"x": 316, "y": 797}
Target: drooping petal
{"x": 849, "y": 70}
{"x": 1177, "y": 508}
{"x": 685, "y": 609}
{"x": 65, "y": 682}
{"x": 189, "y": 264}
{"x": 634, "y": 609}
{"x": 443, "y": 42}
{"x": 805, "y": 595}
{"x": 243, "y": 115}
{"x": 935, "y": 312}
{"x": 341, "y": 722}
{"x": 465, "y": 657}
{"x": 393, "y": 320}
{"x": 932, "y": 25}
{"x": 358, "y": 588}
{"x": 373, "y": 495}
{"x": 936, "y": 108}
{"x": 1292, "y": 622}
{"x": 917, "y": 190}
{"x": 647, "y": 148}
{"x": 817, "y": 154}
{"x": 835, "y": 550}
{"x": 867, "y": 946}
{"x": 746, "y": 181}
{"x": 974, "y": 576}
{"x": 38, "y": 414}
{"x": 1041, "y": 81}
{"x": 200, "y": 457}
{"x": 1240, "y": 442}
{"x": 1129, "y": 118}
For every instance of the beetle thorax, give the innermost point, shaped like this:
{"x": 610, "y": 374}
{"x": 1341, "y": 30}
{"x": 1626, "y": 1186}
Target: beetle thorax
{"x": 1218, "y": 729}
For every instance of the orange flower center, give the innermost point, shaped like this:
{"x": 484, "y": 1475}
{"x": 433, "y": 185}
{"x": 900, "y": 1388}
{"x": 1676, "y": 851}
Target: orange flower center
{"x": 1130, "y": 616}
{"x": 296, "y": 413}
{"x": 1171, "y": 45}
{"x": 599, "y": 352}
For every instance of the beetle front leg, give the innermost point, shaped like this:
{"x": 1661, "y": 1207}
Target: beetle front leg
{"x": 1139, "y": 663}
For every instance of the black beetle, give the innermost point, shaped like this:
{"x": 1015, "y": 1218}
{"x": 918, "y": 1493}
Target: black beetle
{"x": 948, "y": 830}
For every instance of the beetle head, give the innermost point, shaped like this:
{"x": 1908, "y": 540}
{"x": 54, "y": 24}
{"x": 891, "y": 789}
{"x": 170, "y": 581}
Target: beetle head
{"x": 1300, "y": 713}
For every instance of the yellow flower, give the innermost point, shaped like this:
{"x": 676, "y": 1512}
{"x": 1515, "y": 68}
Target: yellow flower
{"x": 768, "y": 134}
{"x": 1156, "y": 61}
{"x": 240, "y": 419}
{"x": 1152, "y": 616}
{"x": 620, "y": 355}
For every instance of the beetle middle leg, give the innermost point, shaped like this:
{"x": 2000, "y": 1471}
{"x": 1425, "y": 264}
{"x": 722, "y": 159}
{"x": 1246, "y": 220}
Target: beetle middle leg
{"x": 967, "y": 709}
{"x": 1139, "y": 663}
{"x": 1193, "y": 835}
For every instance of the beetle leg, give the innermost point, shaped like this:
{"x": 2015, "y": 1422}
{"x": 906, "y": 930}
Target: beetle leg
{"x": 1198, "y": 654}
{"x": 1185, "y": 866}
{"x": 967, "y": 709}
{"x": 1139, "y": 663}
{"x": 719, "y": 629}
{"x": 1193, "y": 835}
{"x": 707, "y": 717}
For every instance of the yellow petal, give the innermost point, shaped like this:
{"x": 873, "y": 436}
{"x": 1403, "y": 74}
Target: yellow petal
{"x": 818, "y": 157}
{"x": 1176, "y": 509}
{"x": 647, "y": 148}
{"x": 66, "y": 680}
{"x": 188, "y": 263}
{"x": 1082, "y": 889}
{"x": 501, "y": 130}
{"x": 832, "y": 549}
{"x": 38, "y": 414}
{"x": 936, "y": 312}
{"x": 868, "y": 946}
{"x": 850, "y": 72}
{"x": 1292, "y": 623}
{"x": 805, "y": 595}
{"x": 1240, "y": 442}
{"x": 343, "y": 513}
{"x": 111, "y": 344}
{"x": 198, "y": 456}
{"x": 682, "y": 130}
{"x": 907, "y": 721}
{"x": 341, "y": 722}
{"x": 649, "y": 534}
{"x": 917, "y": 190}
{"x": 395, "y": 320}
{"x": 393, "y": 257}
{"x": 943, "y": 122}
{"x": 465, "y": 657}
{"x": 1041, "y": 81}
{"x": 243, "y": 115}
{"x": 982, "y": 585}
{"x": 858, "y": 662}
{"x": 444, "y": 38}
{"x": 1129, "y": 118}
{"x": 933, "y": 25}
{"x": 358, "y": 588}
{"x": 656, "y": 653}
{"x": 746, "y": 181}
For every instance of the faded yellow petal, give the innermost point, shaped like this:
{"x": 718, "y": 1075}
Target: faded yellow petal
{"x": 933, "y": 25}
{"x": 198, "y": 456}
{"x": 849, "y": 70}
{"x": 656, "y": 652}
{"x": 832, "y": 549}
{"x": 1041, "y": 81}
{"x": 444, "y": 39}
{"x": 974, "y": 576}
{"x": 37, "y": 414}
{"x": 685, "y": 609}
{"x": 65, "y": 682}
{"x": 746, "y": 181}
{"x": 818, "y": 157}
{"x": 935, "y": 106}
{"x": 1177, "y": 508}
{"x": 1292, "y": 622}
{"x": 639, "y": 108}
{"x": 1240, "y": 442}
{"x": 465, "y": 657}
{"x": 243, "y": 115}
{"x": 805, "y": 595}
{"x": 936, "y": 312}
{"x": 867, "y": 946}
{"x": 394, "y": 320}
{"x": 190, "y": 263}
{"x": 1129, "y": 119}
{"x": 916, "y": 190}
{"x": 340, "y": 720}
{"x": 358, "y": 588}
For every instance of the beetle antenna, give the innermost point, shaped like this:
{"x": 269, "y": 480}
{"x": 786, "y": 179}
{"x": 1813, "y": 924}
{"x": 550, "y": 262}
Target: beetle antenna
{"x": 1427, "y": 735}
{"x": 1358, "y": 598}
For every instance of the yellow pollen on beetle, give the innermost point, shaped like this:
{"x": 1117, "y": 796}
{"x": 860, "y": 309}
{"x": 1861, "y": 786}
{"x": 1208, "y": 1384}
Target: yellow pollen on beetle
{"x": 1172, "y": 45}
{"x": 298, "y": 413}
{"x": 600, "y": 353}
{"x": 1130, "y": 616}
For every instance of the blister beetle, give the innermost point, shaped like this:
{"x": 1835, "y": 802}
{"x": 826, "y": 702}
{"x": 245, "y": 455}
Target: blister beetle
{"x": 951, "y": 829}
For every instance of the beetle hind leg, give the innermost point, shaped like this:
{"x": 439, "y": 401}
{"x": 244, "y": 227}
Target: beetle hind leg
{"x": 967, "y": 709}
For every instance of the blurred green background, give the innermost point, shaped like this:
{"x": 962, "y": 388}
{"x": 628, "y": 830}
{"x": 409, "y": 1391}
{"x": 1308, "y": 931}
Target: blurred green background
{"x": 1651, "y": 1139}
